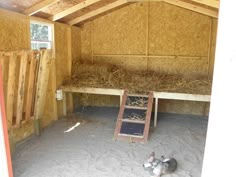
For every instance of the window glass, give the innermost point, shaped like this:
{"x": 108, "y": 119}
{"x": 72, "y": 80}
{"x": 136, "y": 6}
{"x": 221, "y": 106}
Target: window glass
{"x": 41, "y": 35}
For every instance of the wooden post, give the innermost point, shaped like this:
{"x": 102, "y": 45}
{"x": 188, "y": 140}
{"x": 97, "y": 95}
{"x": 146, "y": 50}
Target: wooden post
{"x": 37, "y": 127}
{"x": 64, "y": 104}
{"x": 21, "y": 88}
{"x": 69, "y": 42}
{"x": 156, "y": 112}
{"x": 11, "y": 88}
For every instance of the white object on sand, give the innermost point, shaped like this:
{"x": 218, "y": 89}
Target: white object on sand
{"x": 72, "y": 128}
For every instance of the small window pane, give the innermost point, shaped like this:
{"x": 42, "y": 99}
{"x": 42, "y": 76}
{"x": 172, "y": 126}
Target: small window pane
{"x": 41, "y": 36}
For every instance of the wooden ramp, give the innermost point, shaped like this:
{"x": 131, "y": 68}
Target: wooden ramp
{"x": 134, "y": 128}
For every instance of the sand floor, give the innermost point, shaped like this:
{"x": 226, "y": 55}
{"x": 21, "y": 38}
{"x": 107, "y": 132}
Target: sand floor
{"x": 90, "y": 151}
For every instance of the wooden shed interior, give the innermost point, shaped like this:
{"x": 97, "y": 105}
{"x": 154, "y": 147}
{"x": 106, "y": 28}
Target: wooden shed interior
{"x": 99, "y": 50}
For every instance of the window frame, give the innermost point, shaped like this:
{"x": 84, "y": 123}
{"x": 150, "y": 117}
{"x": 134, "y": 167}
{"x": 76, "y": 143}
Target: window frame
{"x": 51, "y": 25}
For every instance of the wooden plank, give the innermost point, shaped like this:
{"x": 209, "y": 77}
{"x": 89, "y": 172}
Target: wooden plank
{"x": 211, "y": 3}
{"x": 4, "y": 65}
{"x": 21, "y": 88}
{"x": 97, "y": 12}
{"x": 73, "y": 9}
{"x": 148, "y": 117}
{"x": 133, "y": 121}
{"x": 101, "y": 91}
{"x": 136, "y": 107}
{"x": 193, "y": 7}
{"x": 35, "y": 85}
{"x": 156, "y": 112}
{"x": 182, "y": 96}
{"x": 53, "y": 87}
{"x": 11, "y": 84}
{"x": 189, "y": 6}
{"x": 132, "y": 136}
{"x": 42, "y": 83}
{"x": 138, "y": 96}
{"x": 31, "y": 80}
{"x": 64, "y": 104}
{"x": 131, "y": 139}
{"x": 26, "y": 86}
{"x": 152, "y": 56}
{"x": 39, "y": 6}
{"x": 70, "y": 105}
{"x": 120, "y": 115}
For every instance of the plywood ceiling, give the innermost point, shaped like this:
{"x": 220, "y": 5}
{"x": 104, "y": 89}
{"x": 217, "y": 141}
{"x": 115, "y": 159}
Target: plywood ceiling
{"x": 76, "y": 11}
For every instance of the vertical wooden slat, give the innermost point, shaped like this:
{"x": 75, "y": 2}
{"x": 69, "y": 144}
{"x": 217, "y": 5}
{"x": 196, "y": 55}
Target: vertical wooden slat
{"x": 41, "y": 88}
{"x": 3, "y": 65}
{"x": 11, "y": 88}
{"x": 120, "y": 115}
{"x": 53, "y": 87}
{"x": 26, "y": 85}
{"x": 42, "y": 83}
{"x": 148, "y": 117}
{"x": 21, "y": 88}
{"x": 29, "y": 96}
{"x": 35, "y": 83}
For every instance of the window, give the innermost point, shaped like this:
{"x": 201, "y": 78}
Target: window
{"x": 41, "y": 35}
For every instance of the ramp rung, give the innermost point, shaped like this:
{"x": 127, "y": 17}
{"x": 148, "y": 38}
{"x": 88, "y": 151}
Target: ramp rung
{"x": 132, "y": 136}
{"x": 133, "y": 121}
{"x": 136, "y": 107}
{"x": 138, "y": 96}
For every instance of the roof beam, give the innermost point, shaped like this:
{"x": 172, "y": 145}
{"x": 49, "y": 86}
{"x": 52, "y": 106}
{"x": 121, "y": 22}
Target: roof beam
{"x": 211, "y": 3}
{"x": 189, "y": 6}
{"x": 38, "y": 7}
{"x": 97, "y": 11}
{"x": 192, "y": 7}
{"x": 73, "y": 9}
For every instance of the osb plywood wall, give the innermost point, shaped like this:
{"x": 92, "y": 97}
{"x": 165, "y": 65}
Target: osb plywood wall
{"x": 15, "y": 35}
{"x": 14, "y": 31}
{"x": 153, "y": 36}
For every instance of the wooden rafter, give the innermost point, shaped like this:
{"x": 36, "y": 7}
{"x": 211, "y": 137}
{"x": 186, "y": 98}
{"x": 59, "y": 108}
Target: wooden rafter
{"x": 190, "y": 6}
{"x": 37, "y": 7}
{"x": 98, "y": 11}
{"x": 73, "y": 9}
{"x": 210, "y": 3}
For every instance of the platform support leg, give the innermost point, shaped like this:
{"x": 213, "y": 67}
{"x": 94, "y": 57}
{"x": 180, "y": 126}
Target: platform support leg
{"x": 156, "y": 111}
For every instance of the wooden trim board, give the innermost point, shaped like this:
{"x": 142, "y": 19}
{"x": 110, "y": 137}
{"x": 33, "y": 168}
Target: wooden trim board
{"x": 101, "y": 91}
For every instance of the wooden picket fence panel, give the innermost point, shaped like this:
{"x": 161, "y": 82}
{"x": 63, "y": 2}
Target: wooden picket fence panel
{"x": 20, "y": 82}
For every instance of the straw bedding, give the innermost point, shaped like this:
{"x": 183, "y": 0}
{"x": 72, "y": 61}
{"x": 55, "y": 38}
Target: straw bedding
{"x": 110, "y": 76}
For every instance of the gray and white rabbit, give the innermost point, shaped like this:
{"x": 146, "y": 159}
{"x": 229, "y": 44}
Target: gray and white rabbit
{"x": 158, "y": 167}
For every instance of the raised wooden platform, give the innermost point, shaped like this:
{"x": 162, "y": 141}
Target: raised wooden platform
{"x": 119, "y": 92}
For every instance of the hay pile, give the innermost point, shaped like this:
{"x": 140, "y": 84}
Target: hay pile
{"x": 110, "y": 76}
